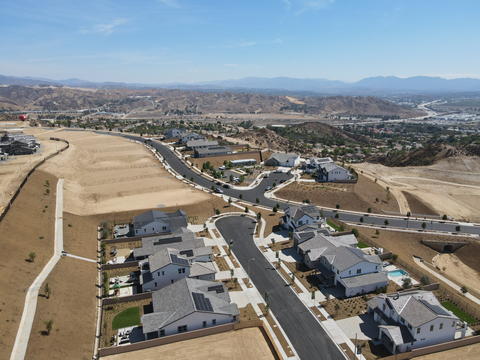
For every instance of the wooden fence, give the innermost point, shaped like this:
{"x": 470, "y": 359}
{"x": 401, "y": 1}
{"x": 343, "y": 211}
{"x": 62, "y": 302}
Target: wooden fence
{"x": 17, "y": 192}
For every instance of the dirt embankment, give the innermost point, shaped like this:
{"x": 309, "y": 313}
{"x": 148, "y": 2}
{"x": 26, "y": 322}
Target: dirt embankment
{"x": 417, "y": 206}
{"x": 357, "y": 197}
{"x": 28, "y": 227}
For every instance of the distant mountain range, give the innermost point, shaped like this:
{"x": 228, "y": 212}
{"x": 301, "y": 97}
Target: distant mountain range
{"x": 368, "y": 86}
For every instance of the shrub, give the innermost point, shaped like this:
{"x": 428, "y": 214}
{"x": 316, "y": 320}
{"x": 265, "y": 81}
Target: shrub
{"x": 407, "y": 283}
{"x": 355, "y": 232}
{"x": 464, "y": 289}
{"x": 70, "y": 225}
{"x": 337, "y": 216}
{"x": 425, "y": 280}
{"x": 337, "y": 206}
{"x": 394, "y": 257}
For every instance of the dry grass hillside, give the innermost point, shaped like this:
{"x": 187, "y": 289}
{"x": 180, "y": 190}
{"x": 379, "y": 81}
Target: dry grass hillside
{"x": 17, "y": 97}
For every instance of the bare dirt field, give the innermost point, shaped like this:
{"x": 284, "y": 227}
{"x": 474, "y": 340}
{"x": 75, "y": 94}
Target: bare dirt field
{"x": 458, "y": 271}
{"x": 109, "y": 174}
{"x": 14, "y": 169}
{"x": 359, "y": 196}
{"x": 451, "y": 186}
{"x": 72, "y": 308}
{"x": 464, "y": 353}
{"x": 234, "y": 345}
{"x": 25, "y": 228}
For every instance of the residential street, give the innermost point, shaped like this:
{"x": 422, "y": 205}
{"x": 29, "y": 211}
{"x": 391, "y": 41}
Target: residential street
{"x": 308, "y": 337}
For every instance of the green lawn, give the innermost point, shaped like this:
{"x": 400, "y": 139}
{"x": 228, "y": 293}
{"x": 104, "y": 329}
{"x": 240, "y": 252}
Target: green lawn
{"x": 460, "y": 313}
{"x": 129, "y": 317}
{"x": 329, "y": 223}
{"x": 362, "y": 245}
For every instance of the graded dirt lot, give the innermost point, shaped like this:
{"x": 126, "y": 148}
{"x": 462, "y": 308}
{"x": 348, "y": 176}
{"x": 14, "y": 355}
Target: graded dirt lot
{"x": 451, "y": 186}
{"x": 109, "y": 174}
{"x": 458, "y": 271}
{"x": 233, "y": 345}
{"x": 25, "y": 228}
{"x": 464, "y": 353}
{"x": 359, "y": 196}
{"x": 72, "y": 308}
{"x": 15, "y": 168}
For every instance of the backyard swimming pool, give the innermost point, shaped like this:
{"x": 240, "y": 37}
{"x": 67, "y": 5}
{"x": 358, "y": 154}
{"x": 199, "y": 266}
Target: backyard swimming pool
{"x": 396, "y": 273}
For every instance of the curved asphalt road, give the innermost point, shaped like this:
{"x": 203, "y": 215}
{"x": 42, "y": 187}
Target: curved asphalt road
{"x": 306, "y": 334}
{"x": 258, "y": 192}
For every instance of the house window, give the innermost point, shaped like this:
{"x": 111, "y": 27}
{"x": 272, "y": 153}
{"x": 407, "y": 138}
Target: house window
{"x": 441, "y": 326}
{"x": 214, "y": 321}
{"x": 234, "y": 318}
{"x": 204, "y": 324}
{"x": 392, "y": 313}
{"x": 453, "y": 324}
{"x": 402, "y": 320}
{"x": 153, "y": 229}
{"x": 410, "y": 326}
{"x": 155, "y": 284}
{"x": 384, "y": 307}
{"x": 431, "y": 327}
{"x": 376, "y": 267}
{"x": 173, "y": 281}
{"x": 418, "y": 330}
{"x": 144, "y": 230}
{"x": 359, "y": 271}
{"x": 350, "y": 272}
{"x": 300, "y": 222}
{"x": 164, "y": 228}
{"x": 182, "y": 329}
{"x": 158, "y": 273}
{"x": 163, "y": 273}
{"x": 180, "y": 271}
{"x": 162, "y": 332}
{"x": 338, "y": 272}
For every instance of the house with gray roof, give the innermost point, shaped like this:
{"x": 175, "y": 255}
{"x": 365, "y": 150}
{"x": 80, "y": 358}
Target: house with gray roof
{"x": 173, "y": 133}
{"x": 199, "y": 144}
{"x": 312, "y": 165}
{"x": 186, "y": 305}
{"x": 414, "y": 319}
{"x": 348, "y": 267}
{"x": 169, "y": 265}
{"x": 181, "y": 239}
{"x": 154, "y": 222}
{"x": 330, "y": 172}
{"x": 189, "y": 136}
{"x": 285, "y": 160}
{"x": 212, "y": 150}
{"x": 298, "y": 216}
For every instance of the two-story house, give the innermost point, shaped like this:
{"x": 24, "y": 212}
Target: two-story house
{"x": 350, "y": 268}
{"x": 311, "y": 165}
{"x": 285, "y": 160}
{"x": 169, "y": 265}
{"x": 186, "y": 305}
{"x": 189, "y": 136}
{"x": 331, "y": 172}
{"x": 297, "y": 216}
{"x": 174, "y": 133}
{"x": 153, "y": 222}
{"x": 413, "y": 319}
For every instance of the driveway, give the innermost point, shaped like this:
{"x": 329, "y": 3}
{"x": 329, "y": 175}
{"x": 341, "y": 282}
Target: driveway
{"x": 306, "y": 334}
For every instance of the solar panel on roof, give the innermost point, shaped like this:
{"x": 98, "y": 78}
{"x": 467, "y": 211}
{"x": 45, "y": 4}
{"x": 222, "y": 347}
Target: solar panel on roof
{"x": 175, "y": 259}
{"x": 218, "y": 289}
{"x": 440, "y": 310}
{"x": 201, "y": 302}
{"x": 188, "y": 253}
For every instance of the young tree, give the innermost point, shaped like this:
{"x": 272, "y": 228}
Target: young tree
{"x": 217, "y": 211}
{"x": 407, "y": 283}
{"x": 259, "y": 215}
{"x": 246, "y": 209}
{"x": 267, "y": 309}
{"x": 47, "y": 290}
{"x": 425, "y": 280}
{"x": 290, "y": 235}
{"x": 376, "y": 200}
{"x": 279, "y": 262}
{"x": 464, "y": 289}
{"x": 361, "y": 219}
{"x": 369, "y": 210}
{"x": 458, "y": 228}
{"x": 386, "y": 222}
{"x": 240, "y": 196}
{"x": 231, "y": 178}
{"x": 213, "y": 187}
{"x": 32, "y": 256}
{"x": 257, "y": 200}
{"x": 235, "y": 281}
{"x": 273, "y": 241}
{"x": 394, "y": 257}
{"x": 49, "y": 326}
{"x": 355, "y": 232}
{"x": 337, "y": 215}
{"x": 242, "y": 178}
{"x": 293, "y": 278}
{"x": 232, "y": 272}
{"x": 337, "y": 206}
{"x": 327, "y": 297}
{"x": 47, "y": 182}
{"x": 337, "y": 307}
{"x": 445, "y": 217}
{"x": 444, "y": 268}
{"x": 275, "y": 209}
{"x": 47, "y": 191}
{"x": 424, "y": 225}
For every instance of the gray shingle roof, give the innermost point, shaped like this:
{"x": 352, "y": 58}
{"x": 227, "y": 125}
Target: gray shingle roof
{"x": 284, "y": 158}
{"x": 296, "y": 212}
{"x": 344, "y": 257}
{"x": 175, "y": 301}
{"x": 214, "y": 150}
{"x": 176, "y": 220}
{"x": 365, "y": 279}
{"x": 181, "y": 239}
{"x": 399, "y": 334}
{"x": 201, "y": 142}
{"x": 202, "y": 268}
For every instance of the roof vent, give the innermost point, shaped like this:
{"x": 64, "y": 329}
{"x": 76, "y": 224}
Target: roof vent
{"x": 397, "y": 296}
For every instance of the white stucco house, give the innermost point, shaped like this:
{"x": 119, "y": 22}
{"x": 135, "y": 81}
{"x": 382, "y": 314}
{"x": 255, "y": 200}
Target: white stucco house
{"x": 313, "y": 164}
{"x": 186, "y": 305}
{"x": 285, "y": 160}
{"x": 298, "y": 216}
{"x": 189, "y": 136}
{"x": 173, "y": 133}
{"x": 331, "y": 172}
{"x": 413, "y": 319}
{"x": 154, "y": 222}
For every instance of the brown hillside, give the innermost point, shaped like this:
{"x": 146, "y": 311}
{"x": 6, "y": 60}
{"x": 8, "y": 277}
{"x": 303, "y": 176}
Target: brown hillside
{"x": 420, "y": 157}
{"x": 266, "y": 138}
{"x": 17, "y": 97}
{"x": 337, "y": 133}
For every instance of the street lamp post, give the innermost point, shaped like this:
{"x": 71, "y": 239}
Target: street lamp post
{"x": 249, "y": 268}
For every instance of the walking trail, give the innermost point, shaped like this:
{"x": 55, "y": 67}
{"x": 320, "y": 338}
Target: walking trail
{"x": 25, "y": 327}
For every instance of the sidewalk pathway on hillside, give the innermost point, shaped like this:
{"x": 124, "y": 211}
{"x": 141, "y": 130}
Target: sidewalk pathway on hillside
{"x": 25, "y": 327}
{"x": 445, "y": 280}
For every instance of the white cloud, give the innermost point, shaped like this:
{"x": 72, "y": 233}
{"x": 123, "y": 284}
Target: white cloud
{"x": 171, "y": 3}
{"x": 106, "y": 29}
{"x": 308, "y": 5}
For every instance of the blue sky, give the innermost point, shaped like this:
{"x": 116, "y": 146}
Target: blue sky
{"x": 163, "y": 41}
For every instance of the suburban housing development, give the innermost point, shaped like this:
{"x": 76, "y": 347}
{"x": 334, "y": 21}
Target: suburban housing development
{"x": 153, "y": 222}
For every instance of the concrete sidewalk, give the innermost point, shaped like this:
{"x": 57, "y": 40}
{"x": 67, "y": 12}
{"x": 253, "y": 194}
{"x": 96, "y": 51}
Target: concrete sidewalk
{"x": 25, "y": 327}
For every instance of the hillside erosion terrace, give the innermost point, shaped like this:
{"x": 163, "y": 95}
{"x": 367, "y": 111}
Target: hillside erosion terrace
{"x": 258, "y": 192}
{"x": 305, "y": 332}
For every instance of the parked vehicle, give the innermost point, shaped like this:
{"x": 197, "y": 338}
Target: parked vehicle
{"x": 268, "y": 188}
{"x": 227, "y": 186}
{"x": 217, "y": 190}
